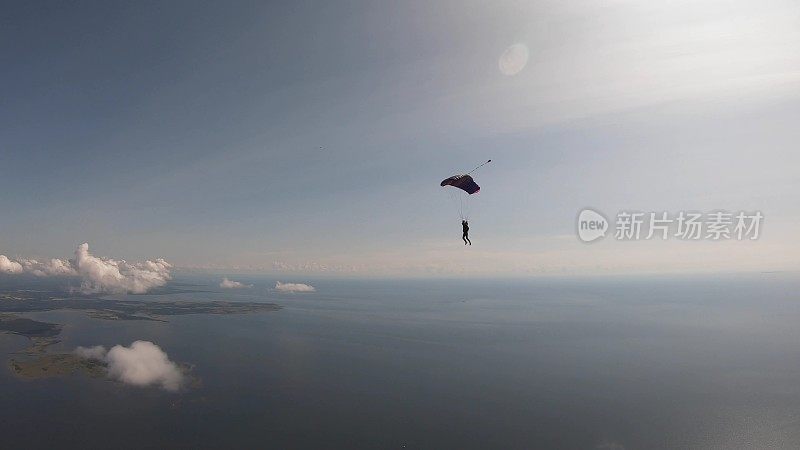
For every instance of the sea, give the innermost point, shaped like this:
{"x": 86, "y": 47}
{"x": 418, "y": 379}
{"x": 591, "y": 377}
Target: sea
{"x": 645, "y": 362}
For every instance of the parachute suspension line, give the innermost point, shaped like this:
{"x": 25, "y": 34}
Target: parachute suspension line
{"x": 473, "y": 170}
{"x": 464, "y": 207}
{"x": 459, "y": 200}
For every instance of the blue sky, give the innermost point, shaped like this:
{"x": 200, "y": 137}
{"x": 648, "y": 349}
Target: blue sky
{"x": 192, "y": 131}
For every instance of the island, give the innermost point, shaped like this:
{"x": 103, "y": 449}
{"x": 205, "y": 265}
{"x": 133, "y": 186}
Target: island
{"x": 35, "y": 362}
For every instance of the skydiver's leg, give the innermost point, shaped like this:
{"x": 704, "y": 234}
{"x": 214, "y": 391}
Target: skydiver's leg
{"x": 464, "y": 238}
{"x": 467, "y": 237}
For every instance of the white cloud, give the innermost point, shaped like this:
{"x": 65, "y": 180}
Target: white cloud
{"x": 97, "y": 352}
{"x": 294, "y": 287}
{"x": 228, "y": 284}
{"x": 9, "y": 266}
{"x": 141, "y": 364}
{"x": 99, "y": 275}
{"x": 109, "y": 275}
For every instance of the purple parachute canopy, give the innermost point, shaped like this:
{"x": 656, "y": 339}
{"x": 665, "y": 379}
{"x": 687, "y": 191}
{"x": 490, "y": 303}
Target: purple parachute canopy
{"x": 463, "y": 182}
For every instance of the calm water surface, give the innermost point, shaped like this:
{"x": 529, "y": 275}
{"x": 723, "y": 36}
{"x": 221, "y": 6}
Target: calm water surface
{"x": 684, "y": 362}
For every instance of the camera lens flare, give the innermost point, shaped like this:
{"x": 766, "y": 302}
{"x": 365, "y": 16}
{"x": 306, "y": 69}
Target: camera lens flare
{"x": 514, "y": 59}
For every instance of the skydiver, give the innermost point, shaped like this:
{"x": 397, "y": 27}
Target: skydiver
{"x": 465, "y": 236}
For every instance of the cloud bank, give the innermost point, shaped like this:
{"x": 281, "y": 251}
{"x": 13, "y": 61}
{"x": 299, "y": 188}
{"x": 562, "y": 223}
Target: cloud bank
{"x": 98, "y": 275}
{"x": 228, "y": 284}
{"x": 141, "y": 364}
{"x": 294, "y": 287}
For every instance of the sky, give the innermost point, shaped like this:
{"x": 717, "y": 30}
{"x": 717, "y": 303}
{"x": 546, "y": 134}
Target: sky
{"x": 311, "y": 137}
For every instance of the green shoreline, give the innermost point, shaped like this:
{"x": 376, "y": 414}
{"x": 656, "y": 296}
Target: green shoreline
{"x": 35, "y": 362}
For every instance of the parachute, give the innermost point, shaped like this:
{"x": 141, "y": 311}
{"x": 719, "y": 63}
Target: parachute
{"x": 464, "y": 182}
{"x": 460, "y": 188}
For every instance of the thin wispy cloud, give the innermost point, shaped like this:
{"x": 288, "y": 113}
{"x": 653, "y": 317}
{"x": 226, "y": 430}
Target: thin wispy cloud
{"x": 229, "y": 284}
{"x": 98, "y": 352}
